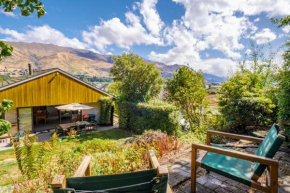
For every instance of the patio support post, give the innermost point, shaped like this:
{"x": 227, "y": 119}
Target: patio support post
{"x": 193, "y": 169}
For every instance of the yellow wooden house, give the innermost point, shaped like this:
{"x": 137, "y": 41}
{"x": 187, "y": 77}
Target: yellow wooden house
{"x": 43, "y": 91}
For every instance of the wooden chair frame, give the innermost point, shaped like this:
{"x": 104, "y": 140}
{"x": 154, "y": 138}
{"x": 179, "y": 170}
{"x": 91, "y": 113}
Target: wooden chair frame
{"x": 272, "y": 165}
{"x": 84, "y": 169}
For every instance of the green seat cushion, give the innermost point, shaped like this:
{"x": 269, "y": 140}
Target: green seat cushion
{"x": 267, "y": 148}
{"x": 231, "y": 167}
{"x": 140, "y": 181}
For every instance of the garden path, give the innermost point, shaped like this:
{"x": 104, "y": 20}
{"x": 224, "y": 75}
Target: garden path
{"x": 179, "y": 175}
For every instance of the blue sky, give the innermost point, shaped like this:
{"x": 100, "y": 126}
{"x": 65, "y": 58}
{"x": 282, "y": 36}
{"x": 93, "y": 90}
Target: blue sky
{"x": 210, "y": 35}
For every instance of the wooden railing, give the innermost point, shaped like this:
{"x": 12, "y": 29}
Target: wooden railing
{"x": 84, "y": 169}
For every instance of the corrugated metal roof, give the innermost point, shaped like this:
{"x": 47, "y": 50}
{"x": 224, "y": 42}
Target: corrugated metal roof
{"x": 24, "y": 77}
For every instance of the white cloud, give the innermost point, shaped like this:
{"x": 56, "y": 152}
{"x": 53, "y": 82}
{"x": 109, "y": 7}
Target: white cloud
{"x": 257, "y": 20}
{"x": 248, "y": 51}
{"x": 217, "y": 66}
{"x": 151, "y": 17}
{"x": 43, "y": 34}
{"x": 114, "y": 32}
{"x": 184, "y": 46}
{"x": 9, "y": 14}
{"x": 286, "y": 29}
{"x": 264, "y": 36}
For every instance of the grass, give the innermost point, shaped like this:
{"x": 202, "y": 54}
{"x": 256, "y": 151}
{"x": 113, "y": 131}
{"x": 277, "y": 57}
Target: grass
{"x": 6, "y": 154}
{"x": 8, "y": 172}
{"x": 9, "y": 169}
{"x": 114, "y": 134}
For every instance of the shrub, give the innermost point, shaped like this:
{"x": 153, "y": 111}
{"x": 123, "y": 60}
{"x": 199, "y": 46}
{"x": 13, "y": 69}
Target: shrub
{"x": 144, "y": 116}
{"x": 106, "y": 110}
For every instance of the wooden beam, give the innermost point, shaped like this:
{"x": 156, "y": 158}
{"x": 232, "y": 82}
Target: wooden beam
{"x": 208, "y": 138}
{"x": 234, "y": 136}
{"x": 259, "y": 186}
{"x": 162, "y": 170}
{"x": 193, "y": 170}
{"x": 58, "y": 182}
{"x": 274, "y": 179}
{"x": 241, "y": 155}
{"x": 153, "y": 160}
{"x": 200, "y": 158}
{"x": 84, "y": 168}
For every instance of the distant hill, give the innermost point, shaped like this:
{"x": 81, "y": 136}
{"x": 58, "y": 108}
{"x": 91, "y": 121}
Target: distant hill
{"x": 74, "y": 61}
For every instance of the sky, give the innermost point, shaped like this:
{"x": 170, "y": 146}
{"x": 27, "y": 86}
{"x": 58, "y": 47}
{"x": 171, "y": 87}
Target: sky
{"x": 209, "y": 35}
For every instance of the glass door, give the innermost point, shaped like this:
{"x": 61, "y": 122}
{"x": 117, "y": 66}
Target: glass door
{"x": 25, "y": 119}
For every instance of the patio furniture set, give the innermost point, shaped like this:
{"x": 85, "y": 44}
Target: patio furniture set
{"x": 79, "y": 127}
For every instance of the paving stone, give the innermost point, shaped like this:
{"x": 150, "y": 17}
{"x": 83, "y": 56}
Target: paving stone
{"x": 185, "y": 174}
{"x": 230, "y": 187}
{"x": 176, "y": 179}
{"x": 221, "y": 178}
{"x": 182, "y": 162}
{"x": 232, "y": 182}
{"x": 203, "y": 179}
{"x": 213, "y": 184}
{"x": 243, "y": 187}
{"x": 221, "y": 190}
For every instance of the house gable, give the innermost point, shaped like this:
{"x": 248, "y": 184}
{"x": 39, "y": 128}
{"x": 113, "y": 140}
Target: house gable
{"x": 52, "y": 88}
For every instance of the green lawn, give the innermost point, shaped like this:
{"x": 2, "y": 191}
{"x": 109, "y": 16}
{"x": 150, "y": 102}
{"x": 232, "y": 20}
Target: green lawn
{"x": 9, "y": 170}
{"x": 114, "y": 134}
{"x": 6, "y": 154}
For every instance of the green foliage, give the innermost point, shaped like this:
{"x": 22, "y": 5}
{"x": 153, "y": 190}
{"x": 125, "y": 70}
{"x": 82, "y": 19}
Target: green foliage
{"x": 249, "y": 97}
{"x": 186, "y": 90}
{"x": 5, "y": 106}
{"x": 282, "y": 21}
{"x": 106, "y": 108}
{"x": 107, "y": 157}
{"x": 134, "y": 80}
{"x": 144, "y": 116}
{"x": 32, "y": 158}
{"x": 284, "y": 81}
{"x": 26, "y": 8}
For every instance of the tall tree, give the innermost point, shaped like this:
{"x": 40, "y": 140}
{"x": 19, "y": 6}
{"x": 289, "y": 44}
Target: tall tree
{"x": 26, "y": 7}
{"x": 284, "y": 80}
{"x": 135, "y": 80}
{"x": 186, "y": 90}
{"x": 248, "y": 97}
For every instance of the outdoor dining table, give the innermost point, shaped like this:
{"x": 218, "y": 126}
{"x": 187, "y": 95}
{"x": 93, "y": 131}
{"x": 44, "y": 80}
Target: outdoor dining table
{"x": 67, "y": 125}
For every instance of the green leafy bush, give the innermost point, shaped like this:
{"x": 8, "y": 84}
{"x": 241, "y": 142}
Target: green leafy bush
{"x": 144, "y": 116}
{"x": 5, "y": 106}
{"x": 106, "y": 110}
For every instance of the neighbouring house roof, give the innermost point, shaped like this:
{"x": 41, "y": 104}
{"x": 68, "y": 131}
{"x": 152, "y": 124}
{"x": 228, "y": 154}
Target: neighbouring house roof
{"x": 26, "y": 78}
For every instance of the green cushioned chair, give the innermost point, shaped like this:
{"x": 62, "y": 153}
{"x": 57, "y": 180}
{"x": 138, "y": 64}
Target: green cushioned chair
{"x": 21, "y": 134}
{"x": 152, "y": 180}
{"x": 238, "y": 165}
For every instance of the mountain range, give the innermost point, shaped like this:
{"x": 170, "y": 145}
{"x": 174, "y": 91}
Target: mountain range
{"x": 74, "y": 61}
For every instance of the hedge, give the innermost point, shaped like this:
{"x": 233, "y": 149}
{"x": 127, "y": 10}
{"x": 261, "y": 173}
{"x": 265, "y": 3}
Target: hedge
{"x": 144, "y": 116}
{"x": 106, "y": 107}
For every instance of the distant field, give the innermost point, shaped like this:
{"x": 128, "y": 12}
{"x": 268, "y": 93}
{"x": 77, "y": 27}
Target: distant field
{"x": 213, "y": 100}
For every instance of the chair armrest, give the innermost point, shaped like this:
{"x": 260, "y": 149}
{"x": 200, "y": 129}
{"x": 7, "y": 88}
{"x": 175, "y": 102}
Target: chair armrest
{"x": 240, "y": 155}
{"x": 230, "y": 135}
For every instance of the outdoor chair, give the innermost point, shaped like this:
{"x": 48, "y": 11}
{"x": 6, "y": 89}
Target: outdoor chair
{"x": 152, "y": 180}
{"x": 82, "y": 128}
{"x": 86, "y": 118}
{"x": 238, "y": 165}
{"x": 59, "y": 131}
{"x": 21, "y": 134}
{"x": 74, "y": 127}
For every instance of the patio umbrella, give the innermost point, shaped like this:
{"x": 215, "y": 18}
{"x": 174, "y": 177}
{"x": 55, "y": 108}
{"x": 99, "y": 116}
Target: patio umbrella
{"x": 73, "y": 107}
